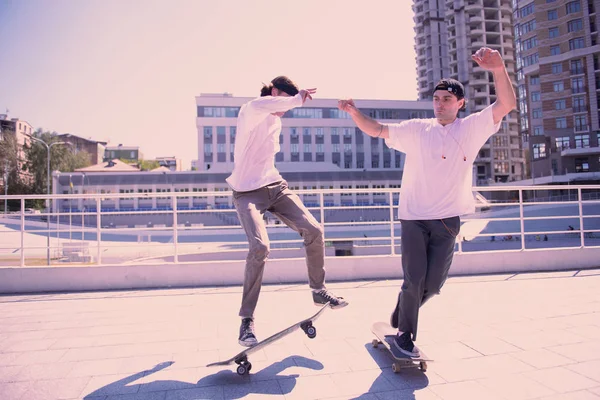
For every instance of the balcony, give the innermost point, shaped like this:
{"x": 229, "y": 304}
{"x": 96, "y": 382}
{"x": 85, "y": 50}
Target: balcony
{"x": 580, "y": 151}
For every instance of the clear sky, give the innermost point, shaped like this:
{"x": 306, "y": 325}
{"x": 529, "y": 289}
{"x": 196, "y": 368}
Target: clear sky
{"x": 128, "y": 71}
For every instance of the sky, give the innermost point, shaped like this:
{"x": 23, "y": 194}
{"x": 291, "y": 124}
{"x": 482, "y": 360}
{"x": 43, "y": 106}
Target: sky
{"x": 128, "y": 71}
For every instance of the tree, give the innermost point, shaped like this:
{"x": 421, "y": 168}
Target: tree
{"x": 10, "y": 162}
{"x": 143, "y": 165}
{"x": 63, "y": 158}
{"x": 148, "y": 165}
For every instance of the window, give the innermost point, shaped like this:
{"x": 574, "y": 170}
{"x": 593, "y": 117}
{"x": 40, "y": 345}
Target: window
{"x": 582, "y": 141}
{"x": 232, "y": 132}
{"x": 556, "y": 68}
{"x": 538, "y": 130}
{"x": 531, "y": 59}
{"x": 581, "y": 123}
{"x": 561, "y": 123}
{"x": 579, "y": 104}
{"x": 306, "y": 113}
{"x": 294, "y": 148}
{"x": 552, "y": 14}
{"x": 208, "y": 131}
{"x": 221, "y": 148}
{"x": 534, "y": 80}
{"x": 560, "y": 104}
{"x": 573, "y": 7}
{"x": 220, "y": 131}
{"x": 553, "y": 32}
{"x": 539, "y": 150}
{"x": 554, "y": 50}
{"x": 582, "y": 165}
{"x": 537, "y": 113}
{"x": 577, "y": 85}
{"x": 319, "y": 132}
{"x": 334, "y": 131}
{"x": 559, "y": 86}
{"x": 500, "y": 154}
{"x": 577, "y": 43}
{"x": 535, "y": 96}
{"x": 575, "y": 25}
{"x": 307, "y": 148}
{"x": 529, "y": 43}
{"x": 527, "y": 27}
{"x": 576, "y": 67}
{"x": 501, "y": 167}
{"x": 319, "y": 147}
{"x": 294, "y": 132}
{"x": 526, "y": 10}
{"x": 335, "y": 148}
{"x": 562, "y": 142}
{"x": 207, "y": 148}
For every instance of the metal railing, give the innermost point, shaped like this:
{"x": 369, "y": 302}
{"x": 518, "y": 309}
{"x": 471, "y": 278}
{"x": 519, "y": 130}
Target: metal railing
{"x": 513, "y": 219}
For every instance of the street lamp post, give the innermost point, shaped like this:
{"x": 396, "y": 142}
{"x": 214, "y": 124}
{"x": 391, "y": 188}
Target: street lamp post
{"x": 6, "y": 170}
{"x": 48, "y": 147}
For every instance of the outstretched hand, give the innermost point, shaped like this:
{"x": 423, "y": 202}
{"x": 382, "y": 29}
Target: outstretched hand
{"x": 488, "y": 59}
{"x": 347, "y": 105}
{"x": 306, "y": 94}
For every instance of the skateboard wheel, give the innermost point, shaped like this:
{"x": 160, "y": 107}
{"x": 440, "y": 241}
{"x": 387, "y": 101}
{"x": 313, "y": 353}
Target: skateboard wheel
{"x": 375, "y": 343}
{"x": 242, "y": 370}
{"x": 423, "y": 366}
{"x": 396, "y": 367}
{"x": 311, "y": 332}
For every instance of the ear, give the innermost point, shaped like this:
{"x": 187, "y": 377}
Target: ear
{"x": 274, "y": 92}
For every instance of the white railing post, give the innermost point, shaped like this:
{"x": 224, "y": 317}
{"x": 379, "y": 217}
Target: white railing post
{"x": 23, "y": 232}
{"x": 174, "y": 206}
{"x": 581, "y": 232}
{"x": 393, "y": 239}
{"x": 98, "y": 231}
{"x": 521, "y": 216}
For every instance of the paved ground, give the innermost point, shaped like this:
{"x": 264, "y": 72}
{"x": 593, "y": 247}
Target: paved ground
{"x": 525, "y": 336}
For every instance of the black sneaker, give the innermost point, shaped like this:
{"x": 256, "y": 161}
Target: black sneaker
{"x": 405, "y": 344}
{"x": 247, "y": 337}
{"x": 324, "y": 296}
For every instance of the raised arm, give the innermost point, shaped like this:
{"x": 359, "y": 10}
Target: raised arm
{"x": 492, "y": 61}
{"x": 366, "y": 124}
{"x": 273, "y": 104}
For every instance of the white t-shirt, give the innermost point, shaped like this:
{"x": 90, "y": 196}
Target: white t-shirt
{"x": 257, "y": 142}
{"x": 434, "y": 187}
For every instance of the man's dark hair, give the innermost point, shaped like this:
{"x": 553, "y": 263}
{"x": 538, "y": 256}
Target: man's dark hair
{"x": 282, "y": 83}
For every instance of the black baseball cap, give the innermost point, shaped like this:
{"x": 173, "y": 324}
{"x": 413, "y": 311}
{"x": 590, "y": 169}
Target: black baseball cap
{"x": 451, "y": 85}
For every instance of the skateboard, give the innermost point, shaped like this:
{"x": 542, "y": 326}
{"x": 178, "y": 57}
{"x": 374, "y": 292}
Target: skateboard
{"x": 241, "y": 359}
{"x": 385, "y": 335}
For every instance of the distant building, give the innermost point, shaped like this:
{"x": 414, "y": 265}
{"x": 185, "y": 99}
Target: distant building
{"x": 94, "y": 148}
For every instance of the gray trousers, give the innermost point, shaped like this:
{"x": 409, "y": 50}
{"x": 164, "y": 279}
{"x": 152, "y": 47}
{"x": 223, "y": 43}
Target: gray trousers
{"x": 285, "y": 205}
{"x": 427, "y": 251}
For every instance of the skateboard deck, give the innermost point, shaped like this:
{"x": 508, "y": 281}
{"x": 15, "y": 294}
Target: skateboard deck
{"x": 241, "y": 359}
{"x": 385, "y": 335}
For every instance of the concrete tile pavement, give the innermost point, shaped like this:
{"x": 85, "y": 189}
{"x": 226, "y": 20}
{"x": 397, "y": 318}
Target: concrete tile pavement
{"x": 516, "y": 336}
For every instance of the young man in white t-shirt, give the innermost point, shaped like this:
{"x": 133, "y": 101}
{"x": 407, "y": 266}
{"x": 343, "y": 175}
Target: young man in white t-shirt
{"x": 436, "y": 184}
{"x": 258, "y": 187}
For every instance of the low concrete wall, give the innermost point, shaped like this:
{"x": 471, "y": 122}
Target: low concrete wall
{"x": 110, "y": 277}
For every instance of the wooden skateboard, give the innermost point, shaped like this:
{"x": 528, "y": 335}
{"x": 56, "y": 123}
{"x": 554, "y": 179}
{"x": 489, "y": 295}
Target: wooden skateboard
{"x": 241, "y": 359}
{"x": 385, "y": 335}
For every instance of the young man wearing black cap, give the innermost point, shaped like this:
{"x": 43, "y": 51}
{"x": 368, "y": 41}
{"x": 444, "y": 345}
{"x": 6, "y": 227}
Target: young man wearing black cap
{"x": 258, "y": 187}
{"x": 436, "y": 184}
